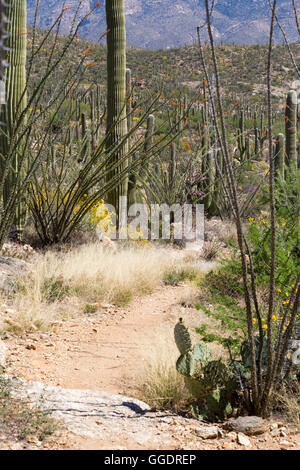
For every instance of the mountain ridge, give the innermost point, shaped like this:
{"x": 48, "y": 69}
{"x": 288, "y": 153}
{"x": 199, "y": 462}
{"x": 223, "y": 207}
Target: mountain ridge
{"x": 161, "y": 24}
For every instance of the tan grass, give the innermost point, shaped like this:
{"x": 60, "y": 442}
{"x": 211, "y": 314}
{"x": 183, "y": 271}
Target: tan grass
{"x": 60, "y": 284}
{"x": 160, "y": 385}
{"x": 287, "y": 401}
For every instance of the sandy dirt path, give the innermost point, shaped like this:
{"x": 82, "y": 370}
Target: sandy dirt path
{"x": 107, "y": 352}
{"x": 102, "y": 351}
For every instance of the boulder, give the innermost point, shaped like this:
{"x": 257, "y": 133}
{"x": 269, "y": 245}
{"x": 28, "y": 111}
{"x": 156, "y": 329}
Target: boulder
{"x": 207, "y": 432}
{"x": 249, "y": 425}
{"x": 10, "y": 269}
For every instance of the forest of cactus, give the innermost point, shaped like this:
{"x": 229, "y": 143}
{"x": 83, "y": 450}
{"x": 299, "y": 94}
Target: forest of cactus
{"x": 87, "y": 129}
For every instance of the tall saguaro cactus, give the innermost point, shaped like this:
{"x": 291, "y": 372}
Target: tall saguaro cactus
{"x": 116, "y": 91}
{"x": 16, "y": 98}
{"x": 291, "y": 128}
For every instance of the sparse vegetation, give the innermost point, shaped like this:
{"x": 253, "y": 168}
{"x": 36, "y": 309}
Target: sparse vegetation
{"x": 18, "y": 420}
{"x": 206, "y": 124}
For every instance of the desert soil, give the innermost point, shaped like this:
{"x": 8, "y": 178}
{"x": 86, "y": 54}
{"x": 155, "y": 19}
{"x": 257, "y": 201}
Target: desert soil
{"x": 107, "y": 351}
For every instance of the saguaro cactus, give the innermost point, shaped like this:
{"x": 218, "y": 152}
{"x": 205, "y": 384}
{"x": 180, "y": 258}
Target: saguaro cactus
{"x": 291, "y": 128}
{"x": 279, "y": 155}
{"x": 116, "y": 91}
{"x": 208, "y": 184}
{"x": 16, "y": 98}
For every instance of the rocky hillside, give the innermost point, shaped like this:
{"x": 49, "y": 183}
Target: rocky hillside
{"x": 159, "y": 24}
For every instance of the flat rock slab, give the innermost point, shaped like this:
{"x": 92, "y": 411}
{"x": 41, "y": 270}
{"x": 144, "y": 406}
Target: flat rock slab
{"x": 114, "y": 418}
{"x": 249, "y": 425}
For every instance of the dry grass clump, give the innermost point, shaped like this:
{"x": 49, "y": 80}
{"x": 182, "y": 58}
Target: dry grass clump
{"x": 160, "y": 385}
{"x": 287, "y": 401}
{"x": 211, "y": 250}
{"x": 163, "y": 388}
{"x": 60, "y": 283}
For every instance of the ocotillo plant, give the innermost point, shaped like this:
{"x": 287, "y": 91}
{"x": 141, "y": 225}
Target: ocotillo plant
{"x": 291, "y": 128}
{"x": 16, "y": 97}
{"x": 116, "y": 91}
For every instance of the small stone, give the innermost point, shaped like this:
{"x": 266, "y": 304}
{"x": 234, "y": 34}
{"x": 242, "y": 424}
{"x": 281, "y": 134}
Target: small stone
{"x": 249, "y": 425}
{"x": 287, "y": 443}
{"x": 243, "y": 440}
{"x": 283, "y": 434}
{"x": 5, "y": 336}
{"x": 32, "y": 439}
{"x": 275, "y": 433}
{"x": 209, "y": 432}
{"x": 274, "y": 426}
{"x": 31, "y": 347}
{"x": 232, "y": 436}
{"x": 106, "y": 306}
{"x": 228, "y": 445}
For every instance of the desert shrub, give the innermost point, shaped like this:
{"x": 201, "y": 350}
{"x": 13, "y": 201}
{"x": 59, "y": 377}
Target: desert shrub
{"x": 176, "y": 275}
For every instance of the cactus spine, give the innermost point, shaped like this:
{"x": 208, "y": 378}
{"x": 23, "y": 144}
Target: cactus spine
{"x": 16, "y": 97}
{"x": 116, "y": 127}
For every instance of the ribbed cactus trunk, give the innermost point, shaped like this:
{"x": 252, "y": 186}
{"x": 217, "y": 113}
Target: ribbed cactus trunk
{"x": 291, "y": 128}
{"x": 16, "y": 98}
{"x": 116, "y": 91}
{"x": 279, "y": 155}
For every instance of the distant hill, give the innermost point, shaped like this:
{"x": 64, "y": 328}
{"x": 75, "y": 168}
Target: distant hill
{"x": 156, "y": 24}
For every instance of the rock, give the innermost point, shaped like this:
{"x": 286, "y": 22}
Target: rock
{"x": 3, "y": 349}
{"x": 249, "y": 425}
{"x": 232, "y": 436}
{"x": 228, "y": 446}
{"x": 5, "y": 335}
{"x": 243, "y": 440}
{"x": 207, "y": 432}
{"x": 107, "y": 306}
{"x": 287, "y": 443}
{"x": 31, "y": 347}
{"x": 275, "y": 433}
{"x": 10, "y": 269}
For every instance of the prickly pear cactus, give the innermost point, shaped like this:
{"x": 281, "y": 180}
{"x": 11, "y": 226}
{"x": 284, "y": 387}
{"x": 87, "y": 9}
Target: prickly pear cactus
{"x": 245, "y": 351}
{"x": 185, "y": 364}
{"x": 210, "y": 382}
{"x": 182, "y": 337}
{"x": 201, "y": 352}
{"x": 215, "y": 373}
